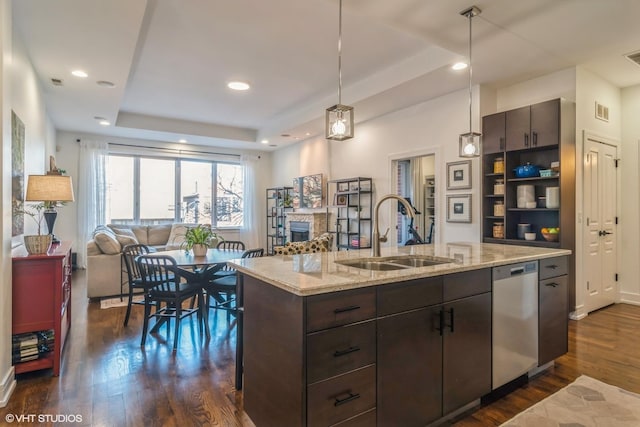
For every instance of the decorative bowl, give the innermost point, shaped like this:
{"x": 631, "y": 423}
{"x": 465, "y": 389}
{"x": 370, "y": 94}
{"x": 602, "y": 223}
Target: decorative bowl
{"x": 551, "y": 237}
{"x": 527, "y": 171}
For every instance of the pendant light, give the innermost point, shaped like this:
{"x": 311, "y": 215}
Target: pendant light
{"x": 470, "y": 142}
{"x": 339, "y": 118}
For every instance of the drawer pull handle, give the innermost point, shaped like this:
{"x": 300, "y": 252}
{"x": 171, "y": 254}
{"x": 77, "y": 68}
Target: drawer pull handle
{"x": 348, "y": 399}
{"x": 553, "y": 285}
{"x": 552, "y": 266}
{"x": 339, "y": 353}
{"x": 345, "y": 309}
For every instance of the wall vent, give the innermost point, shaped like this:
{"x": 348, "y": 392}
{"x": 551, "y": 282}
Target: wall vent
{"x": 602, "y": 112}
{"x": 56, "y": 82}
{"x": 634, "y": 57}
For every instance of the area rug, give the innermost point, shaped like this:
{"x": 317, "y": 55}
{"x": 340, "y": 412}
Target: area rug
{"x": 584, "y": 403}
{"x": 116, "y": 302}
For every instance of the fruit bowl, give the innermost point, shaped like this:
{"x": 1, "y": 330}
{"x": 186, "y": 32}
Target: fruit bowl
{"x": 550, "y": 237}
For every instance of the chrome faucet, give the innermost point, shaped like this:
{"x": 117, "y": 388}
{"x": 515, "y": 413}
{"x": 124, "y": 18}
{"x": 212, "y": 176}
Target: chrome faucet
{"x": 375, "y": 252}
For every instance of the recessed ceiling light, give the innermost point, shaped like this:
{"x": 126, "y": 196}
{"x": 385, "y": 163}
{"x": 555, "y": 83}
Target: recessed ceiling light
{"x": 182, "y": 141}
{"x": 265, "y": 141}
{"x": 459, "y": 66}
{"x": 105, "y": 123}
{"x": 80, "y": 73}
{"x": 307, "y": 134}
{"x": 238, "y": 85}
{"x": 105, "y": 83}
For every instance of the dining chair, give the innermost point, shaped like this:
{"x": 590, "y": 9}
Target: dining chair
{"x": 234, "y": 245}
{"x": 129, "y": 254}
{"x": 223, "y": 289}
{"x": 160, "y": 276}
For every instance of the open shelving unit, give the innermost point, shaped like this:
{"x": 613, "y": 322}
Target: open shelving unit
{"x": 279, "y": 202}
{"x": 351, "y": 202}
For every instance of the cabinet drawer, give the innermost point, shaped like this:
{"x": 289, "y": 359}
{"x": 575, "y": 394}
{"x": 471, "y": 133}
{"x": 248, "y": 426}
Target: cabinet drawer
{"x": 553, "y": 267}
{"x": 342, "y": 397}
{"x": 340, "y": 350}
{"x": 469, "y": 283}
{"x": 340, "y": 308}
{"x": 367, "y": 419}
{"x": 404, "y": 296}
{"x": 553, "y": 323}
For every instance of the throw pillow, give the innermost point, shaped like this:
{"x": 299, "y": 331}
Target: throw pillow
{"x": 107, "y": 243}
{"x": 126, "y": 240}
{"x": 124, "y": 232}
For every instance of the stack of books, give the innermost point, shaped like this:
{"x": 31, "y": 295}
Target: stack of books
{"x": 31, "y": 345}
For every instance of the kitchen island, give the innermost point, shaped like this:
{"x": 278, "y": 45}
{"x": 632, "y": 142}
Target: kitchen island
{"x": 330, "y": 344}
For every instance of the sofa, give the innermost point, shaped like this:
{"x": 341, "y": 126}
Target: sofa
{"x": 106, "y": 272}
{"x": 322, "y": 243}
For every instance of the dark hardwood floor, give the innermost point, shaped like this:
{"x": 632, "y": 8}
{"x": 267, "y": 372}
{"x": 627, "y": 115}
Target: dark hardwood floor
{"x": 109, "y": 380}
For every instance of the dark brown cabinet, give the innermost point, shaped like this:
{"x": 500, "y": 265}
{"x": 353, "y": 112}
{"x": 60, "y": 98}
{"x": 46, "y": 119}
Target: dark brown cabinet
{"x": 436, "y": 342}
{"x": 532, "y": 126}
{"x": 493, "y": 133}
{"x": 552, "y": 139}
{"x": 394, "y": 354}
{"x": 552, "y": 312}
{"x": 409, "y": 396}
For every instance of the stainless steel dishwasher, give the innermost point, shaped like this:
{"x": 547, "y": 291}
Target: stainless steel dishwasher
{"x": 515, "y": 321}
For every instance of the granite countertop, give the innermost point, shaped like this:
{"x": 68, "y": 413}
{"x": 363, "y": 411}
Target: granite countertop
{"x": 312, "y": 274}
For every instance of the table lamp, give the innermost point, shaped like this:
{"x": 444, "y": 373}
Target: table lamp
{"x": 50, "y": 189}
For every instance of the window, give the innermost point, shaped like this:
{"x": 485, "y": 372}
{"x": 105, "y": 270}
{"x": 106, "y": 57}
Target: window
{"x": 148, "y": 190}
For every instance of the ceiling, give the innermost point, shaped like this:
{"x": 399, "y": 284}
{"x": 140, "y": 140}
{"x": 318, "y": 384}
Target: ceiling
{"x": 170, "y": 60}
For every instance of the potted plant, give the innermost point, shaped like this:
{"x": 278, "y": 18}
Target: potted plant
{"x": 199, "y": 238}
{"x": 36, "y": 244}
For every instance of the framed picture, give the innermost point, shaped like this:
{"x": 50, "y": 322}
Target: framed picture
{"x": 341, "y": 200}
{"x": 459, "y": 175}
{"x": 459, "y": 208}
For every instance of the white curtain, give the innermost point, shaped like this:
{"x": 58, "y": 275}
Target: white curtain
{"x": 250, "y": 231}
{"x": 417, "y": 192}
{"x": 92, "y": 189}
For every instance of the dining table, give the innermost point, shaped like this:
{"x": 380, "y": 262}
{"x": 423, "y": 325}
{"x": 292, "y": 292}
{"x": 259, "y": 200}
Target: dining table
{"x": 198, "y": 269}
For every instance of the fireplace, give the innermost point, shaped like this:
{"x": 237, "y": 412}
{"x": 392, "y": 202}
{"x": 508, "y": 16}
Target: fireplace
{"x": 299, "y": 231}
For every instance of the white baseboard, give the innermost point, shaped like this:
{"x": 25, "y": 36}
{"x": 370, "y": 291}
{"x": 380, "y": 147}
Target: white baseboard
{"x": 629, "y": 298}
{"x": 7, "y": 386}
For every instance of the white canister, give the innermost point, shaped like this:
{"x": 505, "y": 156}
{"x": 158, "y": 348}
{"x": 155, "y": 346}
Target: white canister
{"x": 525, "y": 193}
{"x": 553, "y": 197}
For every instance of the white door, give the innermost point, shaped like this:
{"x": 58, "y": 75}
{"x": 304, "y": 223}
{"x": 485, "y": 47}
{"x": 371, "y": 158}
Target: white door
{"x": 600, "y": 201}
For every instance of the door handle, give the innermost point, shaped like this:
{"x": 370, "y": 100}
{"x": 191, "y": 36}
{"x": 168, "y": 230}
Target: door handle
{"x": 604, "y": 233}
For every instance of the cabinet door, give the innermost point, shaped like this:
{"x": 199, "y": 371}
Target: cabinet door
{"x": 409, "y": 368}
{"x": 553, "y": 322}
{"x": 518, "y": 128}
{"x": 493, "y": 128}
{"x": 545, "y": 123}
{"x": 467, "y": 351}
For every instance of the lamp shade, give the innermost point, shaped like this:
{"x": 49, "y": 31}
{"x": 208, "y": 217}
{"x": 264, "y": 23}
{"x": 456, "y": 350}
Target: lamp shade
{"x": 49, "y": 188}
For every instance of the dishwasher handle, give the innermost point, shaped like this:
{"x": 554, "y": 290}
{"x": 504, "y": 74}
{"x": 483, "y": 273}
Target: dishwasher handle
{"x": 517, "y": 270}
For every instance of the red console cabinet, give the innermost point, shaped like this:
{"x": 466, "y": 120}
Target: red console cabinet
{"x": 42, "y": 300}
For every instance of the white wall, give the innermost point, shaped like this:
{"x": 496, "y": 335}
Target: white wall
{"x": 561, "y": 84}
{"x": 7, "y": 381}
{"x": 630, "y": 181}
{"x": 429, "y": 127}
{"x": 21, "y": 92}
{"x": 589, "y": 89}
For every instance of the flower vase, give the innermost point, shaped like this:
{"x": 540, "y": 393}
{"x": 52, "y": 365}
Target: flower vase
{"x": 200, "y": 250}
{"x": 37, "y": 244}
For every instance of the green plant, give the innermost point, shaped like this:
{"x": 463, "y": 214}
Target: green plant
{"x": 199, "y": 235}
{"x": 34, "y": 211}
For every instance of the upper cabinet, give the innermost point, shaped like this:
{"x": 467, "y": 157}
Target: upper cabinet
{"x": 493, "y": 133}
{"x": 532, "y": 126}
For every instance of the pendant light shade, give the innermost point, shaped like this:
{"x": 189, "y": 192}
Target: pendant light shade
{"x": 470, "y": 143}
{"x": 339, "y": 118}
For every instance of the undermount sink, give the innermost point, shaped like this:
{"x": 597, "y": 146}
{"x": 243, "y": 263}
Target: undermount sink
{"x": 394, "y": 263}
